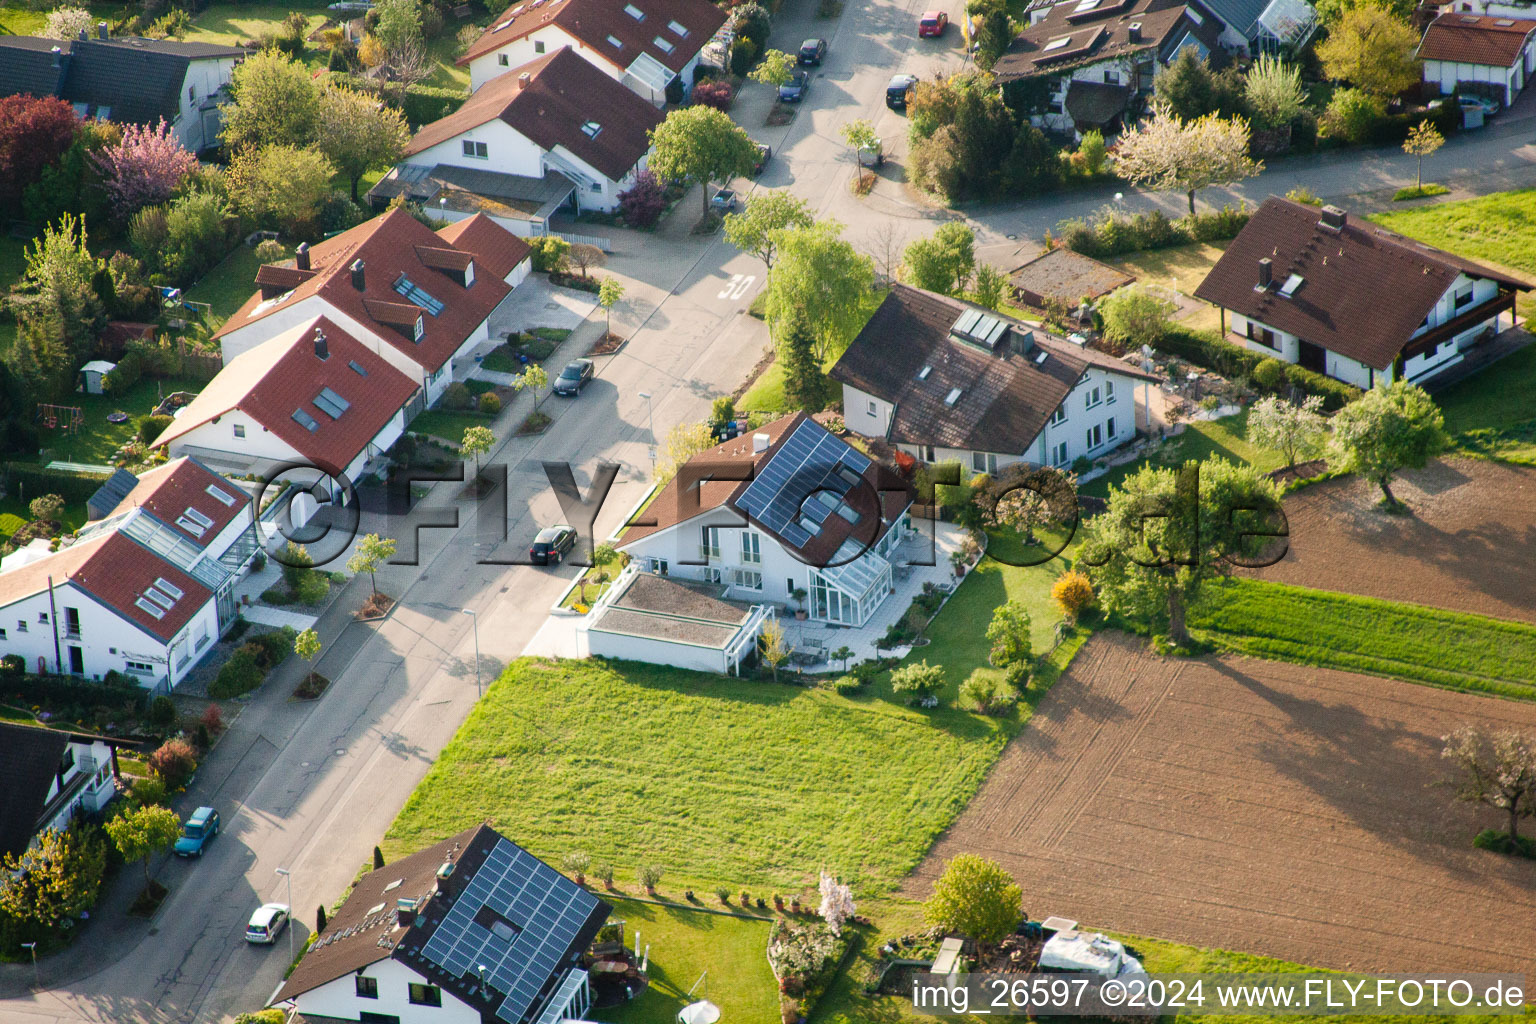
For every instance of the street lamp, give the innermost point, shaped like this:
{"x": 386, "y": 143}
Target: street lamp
{"x": 289, "y": 876}
{"x": 442, "y": 208}
{"x": 650, "y": 429}
{"x": 37, "y": 981}
{"x": 476, "y": 619}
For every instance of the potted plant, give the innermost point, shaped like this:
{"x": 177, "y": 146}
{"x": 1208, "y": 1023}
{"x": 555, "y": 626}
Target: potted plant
{"x": 959, "y": 561}
{"x": 778, "y": 902}
{"x": 725, "y": 896}
{"x": 798, "y": 596}
{"x": 794, "y": 904}
{"x": 745, "y": 899}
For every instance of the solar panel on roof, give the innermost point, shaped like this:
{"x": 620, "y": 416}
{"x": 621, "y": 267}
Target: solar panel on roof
{"x": 808, "y": 462}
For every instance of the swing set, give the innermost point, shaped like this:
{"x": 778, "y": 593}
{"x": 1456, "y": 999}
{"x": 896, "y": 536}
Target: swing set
{"x": 70, "y": 417}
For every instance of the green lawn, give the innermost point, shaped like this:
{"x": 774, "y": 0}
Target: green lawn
{"x": 1181, "y": 268}
{"x": 1499, "y": 228}
{"x": 1201, "y": 439}
{"x": 99, "y": 440}
{"x": 1491, "y": 413}
{"x": 767, "y": 392}
{"x": 233, "y": 24}
{"x": 684, "y": 944}
{"x": 226, "y": 287}
{"x": 1418, "y": 644}
{"x": 446, "y": 424}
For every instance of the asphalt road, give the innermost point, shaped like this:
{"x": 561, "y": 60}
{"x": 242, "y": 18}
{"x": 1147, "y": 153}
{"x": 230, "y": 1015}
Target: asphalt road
{"x": 312, "y": 787}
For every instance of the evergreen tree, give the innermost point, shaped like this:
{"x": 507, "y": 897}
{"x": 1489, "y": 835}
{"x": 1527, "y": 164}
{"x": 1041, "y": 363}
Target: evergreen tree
{"x": 804, "y": 384}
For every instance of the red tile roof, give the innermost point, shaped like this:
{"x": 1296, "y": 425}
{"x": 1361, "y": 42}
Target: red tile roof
{"x": 387, "y": 245}
{"x": 1476, "y": 39}
{"x": 496, "y": 249}
{"x": 282, "y": 374}
{"x": 167, "y": 491}
{"x": 563, "y": 93}
{"x": 593, "y": 21}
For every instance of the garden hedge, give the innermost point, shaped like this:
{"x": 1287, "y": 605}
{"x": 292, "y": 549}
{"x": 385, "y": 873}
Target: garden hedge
{"x": 1207, "y": 349}
{"x": 52, "y": 692}
{"x": 423, "y": 104}
{"x": 28, "y": 481}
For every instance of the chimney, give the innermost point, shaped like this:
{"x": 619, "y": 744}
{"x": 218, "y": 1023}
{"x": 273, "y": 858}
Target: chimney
{"x": 1266, "y": 275}
{"x": 322, "y": 350}
{"x": 301, "y": 256}
{"x": 358, "y": 280}
{"x": 1133, "y": 33}
{"x": 1333, "y": 218}
{"x": 405, "y": 912}
{"x": 84, "y": 35}
{"x": 523, "y": 80}
{"x": 58, "y": 57}
{"x": 101, "y": 30}
{"x": 759, "y": 443}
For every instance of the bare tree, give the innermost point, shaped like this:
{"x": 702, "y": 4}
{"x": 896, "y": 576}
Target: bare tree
{"x": 885, "y": 249}
{"x": 410, "y": 62}
{"x": 1497, "y": 769}
{"x": 585, "y": 258}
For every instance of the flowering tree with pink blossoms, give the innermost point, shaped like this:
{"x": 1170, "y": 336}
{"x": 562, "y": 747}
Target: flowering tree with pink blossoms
{"x": 145, "y": 168}
{"x": 836, "y": 902}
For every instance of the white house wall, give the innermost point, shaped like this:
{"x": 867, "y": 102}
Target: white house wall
{"x": 531, "y": 47}
{"x": 94, "y": 758}
{"x": 204, "y": 79}
{"x": 508, "y": 151}
{"x": 339, "y": 998}
{"x": 656, "y": 652}
{"x": 1448, "y": 74}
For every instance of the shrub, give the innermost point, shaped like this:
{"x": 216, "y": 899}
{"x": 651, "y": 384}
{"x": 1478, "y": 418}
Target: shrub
{"x": 1216, "y": 225}
{"x": 162, "y": 711}
{"x": 1210, "y": 350}
{"x": 276, "y": 595}
{"x": 848, "y": 685}
{"x": 986, "y": 694}
{"x": 152, "y": 426}
{"x": 457, "y": 396}
{"x": 1354, "y": 115}
{"x": 1269, "y": 374}
{"x": 173, "y": 763}
{"x": 1500, "y": 842}
{"x": 261, "y": 1017}
{"x": 1017, "y": 675}
{"x": 312, "y": 589}
{"x": 753, "y": 22}
{"x": 270, "y": 250}
{"x": 1134, "y": 317}
{"x": 743, "y": 55}
{"x": 212, "y": 719}
{"x": 423, "y": 104}
{"x": 918, "y": 680}
{"x": 1073, "y": 593}
{"x": 717, "y": 94}
{"x": 1302, "y": 194}
{"x": 489, "y": 403}
{"x": 240, "y": 674}
{"x": 549, "y": 252}
{"x": 147, "y": 792}
{"x": 295, "y": 561}
{"x": 642, "y": 205}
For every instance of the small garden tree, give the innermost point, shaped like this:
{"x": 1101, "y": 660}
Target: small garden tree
{"x": 1008, "y": 635}
{"x": 1386, "y": 431}
{"x": 772, "y": 647}
{"x": 1373, "y": 48}
{"x": 920, "y": 681}
{"x": 56, "y": 878}
{"x": 534, "y": 379}
{"x": 837, "y": 904}
{"x": 586, "y": 258}
{"x": 1423, "y": 139}
{"x": 986, "y": 693}
{"x": 819, "y": 273}
{"x": 701, "y": 144}
{"x": 1296, "y": 431}
{"x": 1025, "y": 498}
{"x": 991, "y": 286}
{"x": 841, "y": 656}
{"x": 944, "y": 261}
{"x": 1168, "y": 152}
{"x": 307, "y": 646}
{"x": 975, "y": 897}
{"x": 608, "y": 295}
{"x": 1072, "y": 593}
{"x": 683, "y": 442}
{"x": 46, "y": 508}
{"x": 774, "y": 69}
{"x": 141, "y": 833}
{"x": 755, "y": 229}
{"x": 69, "y": 22}
{"x": 1133, "y": 316}
{"x": 146, "y": 167}
{"x": 805, "y": 385}
{"x": 860, "y": 135}
{"x": 650, "y": 877}
{"x": 477, "y": 442}
{"x": 173, "y": 762}
{"x": 1497, "y": 770}
{"x": 373, "y": 551}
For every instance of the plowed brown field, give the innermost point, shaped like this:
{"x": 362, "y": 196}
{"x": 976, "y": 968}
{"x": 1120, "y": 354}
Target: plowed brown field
{"x": 1252, "y": 805}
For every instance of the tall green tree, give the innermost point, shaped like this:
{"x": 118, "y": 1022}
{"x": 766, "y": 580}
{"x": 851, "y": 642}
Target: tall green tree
{"x": 805, "y": 386}
{"x": 819, "y": 273}
{"x": 993, "y": 37}
{"x": 701, "y": 144}
{"x": 975, "y": 897}
{"x": 274, "y": 102}
{"x": 755, "y": 229}
{"x": 1497, "y": 770}
{"x": 1385, "y": 431}
{"x": 398, "y": 23}
{"x": 141, "y": 833}
{"x": 281, "y": 186}
{"x": 774, "y": 69}
{"x": 1185, "y": 87}
{"x": 1273, "y": 91}
{"x": 57, "y": 878}
{"x": 1167, "y": 533}
{"x": 944, "y": 261}
{"x": 1297, "y": 431}
{"x": 1374, "y": 49}
{"x": 358, "y": 132}
{"x": 1008, "y": 635}
{"x": 56, "y": 308}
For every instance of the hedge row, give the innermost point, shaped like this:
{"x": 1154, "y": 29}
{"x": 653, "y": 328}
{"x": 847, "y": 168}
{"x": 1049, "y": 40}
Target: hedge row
{"x": 1117, "y": 233}
{"x": 117, "y": 693}
{"x": 28, "y": 481}
{"x": 1207, "y": 349}
{"x": 423, "y": 104}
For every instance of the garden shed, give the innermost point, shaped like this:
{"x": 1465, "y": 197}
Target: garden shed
{"x": 93, "y": 375}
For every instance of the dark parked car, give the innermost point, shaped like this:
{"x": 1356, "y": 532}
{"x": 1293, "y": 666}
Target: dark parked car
{"x": 551, "y": 545}
{"x": 576, "y": 375}
{"x": 794, "y": 90}
{"x": 811, "y": 52}
{"x": 201, "y": 827}
{"x": 763, "y": 155}
{"x": 899, "y": 91}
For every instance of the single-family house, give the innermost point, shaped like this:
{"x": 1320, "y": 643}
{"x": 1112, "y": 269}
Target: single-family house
{"x": 420, "y": 299}
{"x": 49, "y": 778}
{"x": 788, "y": 507}
{"x": 1095, "y": 56}
{"x": 143, "y": 591}
{"x": 1247, "y": 26}
{"x": 1490, "y": 54}
{"x": 1496, "y": 8}
{"x": 555, "y": 131}
{"x": 645, "y": 44}
{"x": 1062, "y": 278}
{"x": 473, "y": 930}
{"x": 313, "y": 395}
{"x": 1352, "y": 300}
{"x": 128, "y": 80}
{"x": 944, "y": 380}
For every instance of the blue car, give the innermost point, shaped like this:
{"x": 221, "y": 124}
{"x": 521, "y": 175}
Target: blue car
{"x": 793, "y": 91}
{"x": 195, "y": 834}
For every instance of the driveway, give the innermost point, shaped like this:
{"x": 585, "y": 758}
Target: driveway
{"x": 537, "y": 303}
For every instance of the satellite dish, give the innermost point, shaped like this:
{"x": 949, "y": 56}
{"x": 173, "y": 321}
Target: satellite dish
{"x": 701, "y": 1012}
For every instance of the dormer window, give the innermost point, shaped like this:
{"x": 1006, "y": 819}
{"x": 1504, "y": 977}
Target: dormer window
{"x": 616, "y": 42}
{"x": 420, "y": 329}
{"x": 634, "y": 12}
{"x": 469, "y": 274}
{"x": 590, "y": 129}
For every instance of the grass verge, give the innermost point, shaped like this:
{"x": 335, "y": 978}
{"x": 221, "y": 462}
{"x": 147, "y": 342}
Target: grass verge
{"x": 1417, "y": 644}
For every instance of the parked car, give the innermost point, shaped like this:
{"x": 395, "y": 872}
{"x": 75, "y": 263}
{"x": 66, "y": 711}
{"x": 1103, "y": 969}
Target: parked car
{"x": 551, "y": 545}
{"x": 195, "y": 834}
{"x": 267, "y": 923}
{"x": 872, "y": 156}
{"x": 794, "y": 90}
{"x": 811, "y": 52}
{"x": 576, "y": 375}
{"x": 723, "y": 201}
{"x": 764, "y": 153}
{"x": 932, "y": 23}
{"x": 1489, "y": 105}
{"x": 899, "y": 91}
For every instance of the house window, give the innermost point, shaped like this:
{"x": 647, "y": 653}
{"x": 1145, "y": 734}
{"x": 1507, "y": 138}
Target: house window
{"x": 21, "y": 625}
{"x": 616, "y": 42}
{"x": 367, "y": 988}
{"x": 2, "y": 634}
{"x": 476, "y": 150}
{"x": 662, "y": 45}
{"x": 1095, "y": 436}
{"x": 1263, "y": 335}
{"x": 983, "y": 462}
{"x": 658, "y": 566}
{"x": 1109, "y": 392}
{"x": 1464, "y": 297}
{"x": 590, "y": 129}
{"x": 505, "y": 61}
{"x": 1059, "y": 416}
{"x": 1092, "y": 398}
{"x": 634, "y": 12}
{"x": 712, "y": 545}
{"x": 42, "y": 618}
{"x": 139, "y": 668}
{"x": 927, "y": 452}
{"x": 871, "y": 406}
{"x": 369, "y": 1017}
{"x": 747, "y": 579}
{"x": 426, "y": 995}
{"x": 678, "y": 29}
{"x": 239, "y": 429}
{"x": 538, "y": 46}
{"x": 751, "y": 548}
{"x": 1111, "y": 78}
{"x": 1109, "y": 428}
{"x": 191, "y": 94}
{"x": 305, "y": 420}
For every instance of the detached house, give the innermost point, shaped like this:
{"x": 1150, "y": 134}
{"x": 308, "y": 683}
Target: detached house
{"x": 645, "y": 44}
{"x": 944, "y": 380}
{"x": 420, "y": 300}
{"x": 1491, "y": 54}
{"x": 1352, "y": 300}
{"x": 788, "y": 507}
{"x": 1095, "y": 56}
{"x": 130, "y": 81}
{"x": 550, "y": 133}
{"x": 1248, "y": 26}
{"x": 474, "y": 929}
{"x": 143, "y": 591}
{"x": 49, "y": 778}
{"x": 312, "y": 395}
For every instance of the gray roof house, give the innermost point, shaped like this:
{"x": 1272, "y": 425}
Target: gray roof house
{"x": 131, "y": 81}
